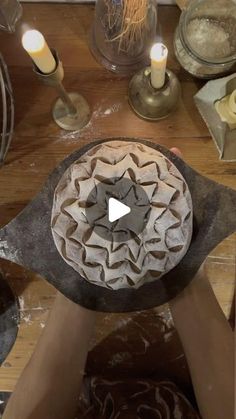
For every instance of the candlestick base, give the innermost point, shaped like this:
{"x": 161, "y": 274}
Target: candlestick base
{"x": 150, "y": 103}
{"x": 71, "y": 111}
{"x": 73, "y": 121}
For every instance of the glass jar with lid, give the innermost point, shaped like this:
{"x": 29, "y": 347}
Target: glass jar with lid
{"x": 205, "y": 40}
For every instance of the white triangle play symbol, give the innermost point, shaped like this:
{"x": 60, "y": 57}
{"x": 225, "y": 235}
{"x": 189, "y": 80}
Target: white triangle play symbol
{"x": 116, "y": 210}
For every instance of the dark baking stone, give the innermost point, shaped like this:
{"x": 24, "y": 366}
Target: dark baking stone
{"x": 27, "y": 240}
{"x": 9, "y": 319}
{"x": 4, "y": 396}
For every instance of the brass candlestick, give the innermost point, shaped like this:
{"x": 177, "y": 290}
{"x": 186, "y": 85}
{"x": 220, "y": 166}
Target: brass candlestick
{"x": 150, "y": 103}
{"x": 70, "y": 111}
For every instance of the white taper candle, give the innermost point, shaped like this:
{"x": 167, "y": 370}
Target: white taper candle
{"x": 158, "y": 56}
{"x": 37, "y": 48}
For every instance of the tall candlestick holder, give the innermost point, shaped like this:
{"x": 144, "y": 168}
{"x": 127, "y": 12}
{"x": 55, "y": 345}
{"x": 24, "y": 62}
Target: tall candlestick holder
{"x": 151, "y": 103}
{"x": 70, "y": 111}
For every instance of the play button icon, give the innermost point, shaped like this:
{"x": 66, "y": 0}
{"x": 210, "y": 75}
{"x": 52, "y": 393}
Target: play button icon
{"x": 117, "y": 210}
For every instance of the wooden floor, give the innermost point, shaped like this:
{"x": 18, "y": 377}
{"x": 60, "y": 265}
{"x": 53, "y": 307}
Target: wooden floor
{"x": 39, "y": 145}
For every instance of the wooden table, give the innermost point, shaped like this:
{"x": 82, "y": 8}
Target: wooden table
{"x": 39, "y": 145}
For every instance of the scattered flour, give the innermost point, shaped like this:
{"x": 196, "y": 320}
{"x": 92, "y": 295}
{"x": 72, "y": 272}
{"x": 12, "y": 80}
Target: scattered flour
{"x": 107, "y": 112}
{"x": 168, "y": 336}
{"x": 101, "y": 111}
{"x": 146, "y": 345}
{"x": 25, "y": 315}
{"x": 7, "y": 253}
{"x": 167, "y": 318}
{"x": 3, "y": 249}
{"x": 115, "y": 108}
{"x": 177, "y": 411}
{"x": 21, "y": 303}
{"x": 124, "y": 322}
{"x": 26, "y": 318}
{"x": 118, "y": 358}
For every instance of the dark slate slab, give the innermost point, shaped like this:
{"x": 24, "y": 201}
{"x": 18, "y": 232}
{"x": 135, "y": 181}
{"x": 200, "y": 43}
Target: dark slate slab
{"x": 9, "y": 319}
{"x": 27, "y": 240}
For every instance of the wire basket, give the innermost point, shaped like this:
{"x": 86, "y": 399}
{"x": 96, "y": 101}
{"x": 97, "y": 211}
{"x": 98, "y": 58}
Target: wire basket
{"x": 7, "y": 117}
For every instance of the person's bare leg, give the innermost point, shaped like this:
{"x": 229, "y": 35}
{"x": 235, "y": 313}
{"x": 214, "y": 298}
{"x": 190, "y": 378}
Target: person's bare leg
{"x": 208, "y": 343}
{"x": 49, "y": 386}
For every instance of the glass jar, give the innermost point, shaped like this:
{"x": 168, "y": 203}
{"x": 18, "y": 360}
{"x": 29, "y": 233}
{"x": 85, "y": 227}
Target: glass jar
{"x": 123, "y": 33}
{"x": 205, "y": 40}
{"x": 10, "y": 13}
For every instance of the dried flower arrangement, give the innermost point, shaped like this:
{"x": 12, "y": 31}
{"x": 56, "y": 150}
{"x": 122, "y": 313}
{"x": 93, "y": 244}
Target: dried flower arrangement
{"x": 126, "y": 23}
